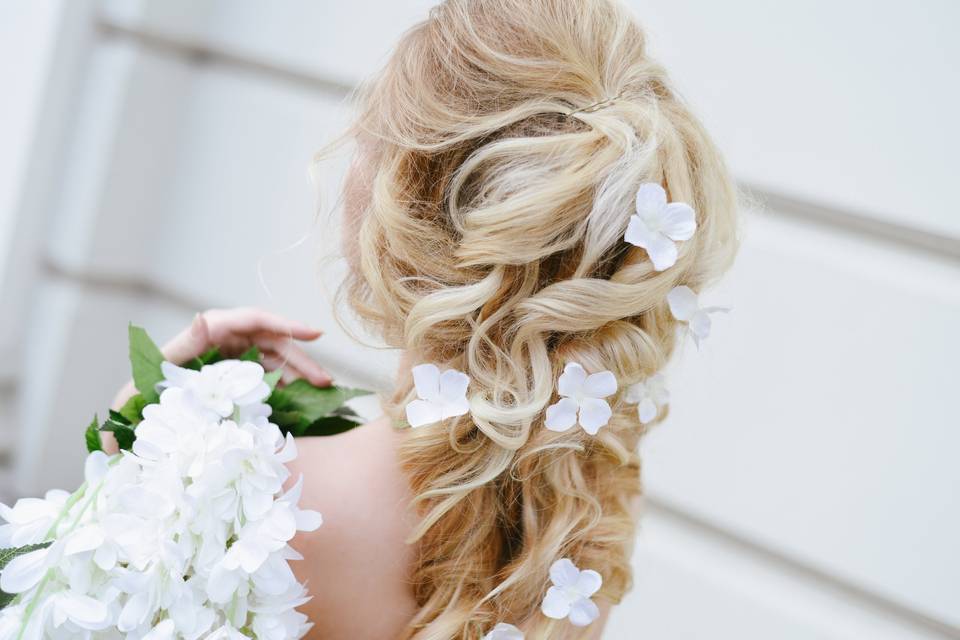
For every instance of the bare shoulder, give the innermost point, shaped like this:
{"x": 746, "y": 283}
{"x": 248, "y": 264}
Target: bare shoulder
{"x": 359, "y": 555}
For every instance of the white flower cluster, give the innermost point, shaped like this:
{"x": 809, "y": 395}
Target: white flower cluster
{"x": 185, "y": 536}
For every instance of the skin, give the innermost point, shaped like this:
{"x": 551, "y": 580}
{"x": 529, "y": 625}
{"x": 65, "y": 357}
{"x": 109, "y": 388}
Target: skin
{"x": 357, "y": 566}
{"x": 359, "y": 556}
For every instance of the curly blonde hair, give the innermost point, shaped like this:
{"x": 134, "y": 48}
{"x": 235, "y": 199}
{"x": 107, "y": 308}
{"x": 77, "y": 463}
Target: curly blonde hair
{"x": 492, "y": 242}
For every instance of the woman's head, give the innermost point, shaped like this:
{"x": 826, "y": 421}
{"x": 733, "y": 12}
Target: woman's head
{"x": 487, "y": 215}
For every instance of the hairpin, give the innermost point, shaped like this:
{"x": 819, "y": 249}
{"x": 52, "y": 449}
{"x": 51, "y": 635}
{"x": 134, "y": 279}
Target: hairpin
{"x": 596, "y": 106}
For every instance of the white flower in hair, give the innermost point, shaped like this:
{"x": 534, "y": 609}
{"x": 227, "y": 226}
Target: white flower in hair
{"x": 658, "y": 225}
{"x": 504, "y": 631}
{"x": 685, "y": 307}
{"x": 439, "y": 395}
{"x": 649, "y": 395}
{"x": 570, "y": 594}
{"x": 582, "y": 400}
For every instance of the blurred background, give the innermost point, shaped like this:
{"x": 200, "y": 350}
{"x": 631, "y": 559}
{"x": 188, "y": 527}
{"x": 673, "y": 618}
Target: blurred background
{"x": 155, "y": 161}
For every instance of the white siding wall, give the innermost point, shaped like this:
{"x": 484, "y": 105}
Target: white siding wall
{"x": 804, "y": 485}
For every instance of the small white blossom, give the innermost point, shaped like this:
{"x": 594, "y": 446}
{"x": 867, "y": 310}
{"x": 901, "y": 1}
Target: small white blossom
{"x": 504, "y": 631}
{"x": 650, "y": 396}
{"x": 221, "y": 387}
{"x": 184, "y": 537}
{"x": 685, "y": 307}
{"x": 570, "y": 594}
{"x": 658, "y": 225}
{"x": 439, "y": 395}
{"x": 30, "y": 518}
{"x": 582, "y": 400}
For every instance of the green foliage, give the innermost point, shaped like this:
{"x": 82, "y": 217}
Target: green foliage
{"x": 92, "y": 436}
{"x": 303, "y": 409}
{"x": 299, "y": 408}
{"x": 145, "y": 359}
{"x": 121, "y": 429}
{"x": 6, "y": 555}
{"x": 272, "y": 378}
{"x": 330, "y": 426}
{"x": 207, "y": 357}
{"x": 132, "y": 410}
{"x": 252, "y": 354}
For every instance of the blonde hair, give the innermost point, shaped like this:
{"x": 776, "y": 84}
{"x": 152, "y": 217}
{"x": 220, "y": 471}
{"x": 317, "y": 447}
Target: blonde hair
{"x": 492, "y": 242}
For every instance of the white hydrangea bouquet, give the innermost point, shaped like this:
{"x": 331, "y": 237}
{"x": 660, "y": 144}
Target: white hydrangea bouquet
{"x": 184, "y": 533}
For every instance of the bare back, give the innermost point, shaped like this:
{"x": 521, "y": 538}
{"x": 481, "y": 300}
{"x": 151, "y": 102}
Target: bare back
{"x": 357, "y": 564}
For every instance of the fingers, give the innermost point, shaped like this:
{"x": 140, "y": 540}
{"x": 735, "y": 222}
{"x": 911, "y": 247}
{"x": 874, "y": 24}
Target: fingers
{"x": 241, "y": 321}
{"x": 236, "y": 330}
{"x": 189, "y": 343}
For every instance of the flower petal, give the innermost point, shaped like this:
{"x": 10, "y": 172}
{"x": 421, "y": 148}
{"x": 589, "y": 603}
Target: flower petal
{"x": 421, "y": 412}
{"x": 504, "y": 631}
{"x": 85, "y": 538}
{"x": 556, "y": 604}
{"x": 683, "y": 303}
{"x": 453, "y": 385}
{"x": 588, "y": 583}
{"x": 95, "y": 467}
{"x": 594, "y": 413}
{"x": 561, "y": 415}
{"x": 583, "y": 612}
{"x": 638, "y": 233}
{"x": 135, "y": 611}
{"x": 571, "y": 380}
{"x": 636, "y": 393}
{"x": 662, "y": 251}
{"x": 651, "y": 198}
{"x": 426, "y": 380}
{"x": 164, "y": 630}
{"x": 647, "y": 410}
{"x": 563, "y": 573}
{"x": 82, "y": 610}
{"x": 700, "y": 324}
{"x": 679, "y": 221}
{"x": 600, "y": 384}
{"x": 454, "y": 409}
{"x": 308, "y": 520}
{"x": 24, "y": 571}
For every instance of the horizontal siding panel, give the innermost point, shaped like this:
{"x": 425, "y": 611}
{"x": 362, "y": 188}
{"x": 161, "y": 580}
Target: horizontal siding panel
{"x": 338, "y": 41}
{"x": 819, "y": 418}
{"x": 804, "y": 100}
{"x": 76, "y": 353}
{"x": 690, "y": 584}
{"x": 207, "y": 195}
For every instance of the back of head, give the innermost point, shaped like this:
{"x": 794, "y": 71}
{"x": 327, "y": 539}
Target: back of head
{"x": 492, "y": 241}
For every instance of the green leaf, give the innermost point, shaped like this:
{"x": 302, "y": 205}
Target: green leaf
{"x": 122, "y": 432}
{"x": 145, "y": 359}
{"x": 92, "y": 436}
{"x": 208, "y": 357}
{"x": 132, "y": 410}
{"x": 6, "y": 555}
{"x": 272, "y": 378}
{"x": 252, "y": 354}
{"x": 330, "y": 426}
{"x": 310, "y": 401}
{"x": 292, "y": 421}
{"x": 118, "y": 417}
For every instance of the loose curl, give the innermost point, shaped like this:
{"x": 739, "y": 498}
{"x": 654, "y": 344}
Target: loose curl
{"x": 492, "y": 242}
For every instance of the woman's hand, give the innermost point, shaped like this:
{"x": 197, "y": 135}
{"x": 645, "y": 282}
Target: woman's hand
{"x": 236, "y": 330}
